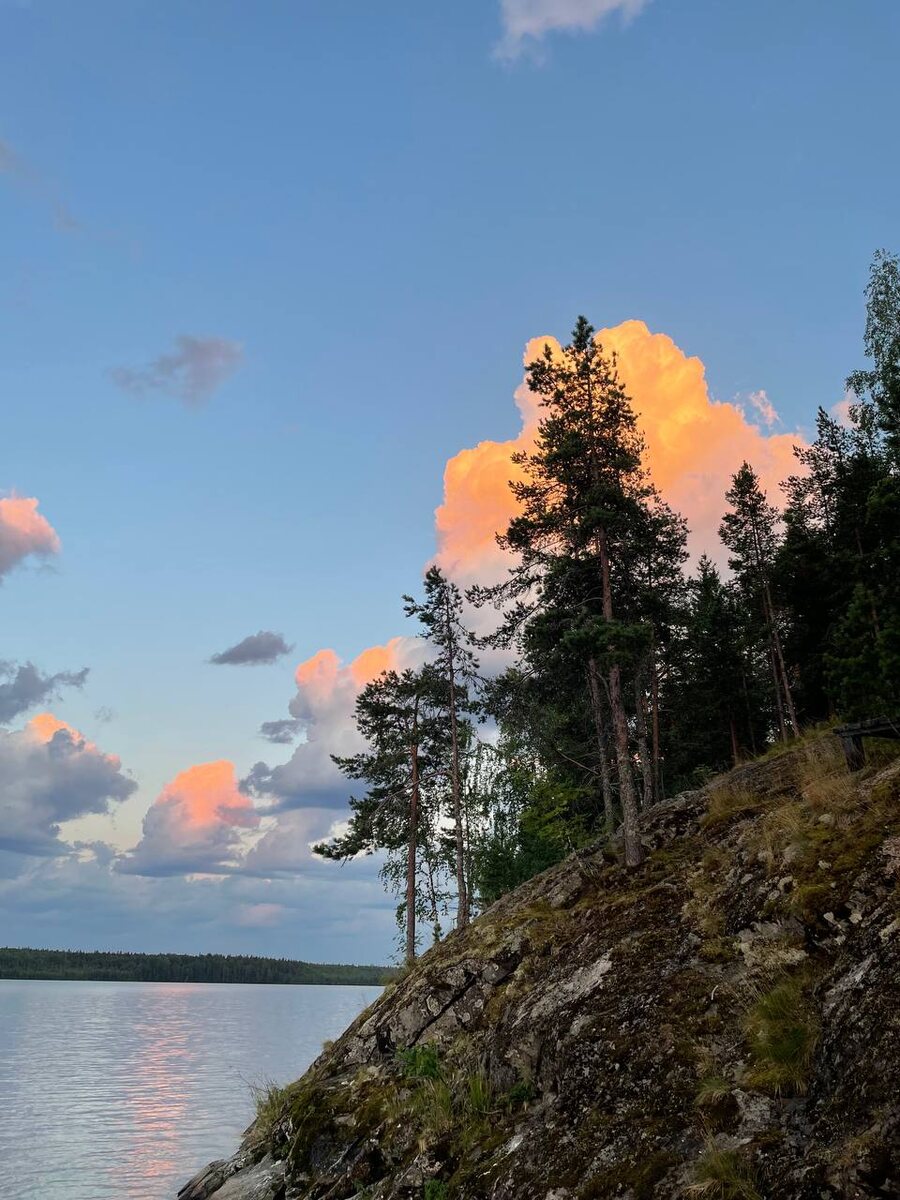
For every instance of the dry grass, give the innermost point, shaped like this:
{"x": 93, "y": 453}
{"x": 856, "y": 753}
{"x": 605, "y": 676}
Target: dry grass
{"x": 723, "y": 1175}
{"x": 782, "y": 1028}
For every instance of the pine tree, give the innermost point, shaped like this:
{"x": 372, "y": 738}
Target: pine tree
{"x": 583, "y": 495}
{"x": 440, "y": 613}
{"x": 398, "y": 715}
{"x": 749, "y": 532}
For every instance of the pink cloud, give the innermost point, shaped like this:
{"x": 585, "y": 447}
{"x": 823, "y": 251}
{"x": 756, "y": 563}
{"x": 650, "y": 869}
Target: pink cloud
{"x": 23, "y": 532}
{"x": 194, "y": 824}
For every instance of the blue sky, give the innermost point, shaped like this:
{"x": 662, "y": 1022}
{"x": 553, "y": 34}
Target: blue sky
{"x": 371, "y": 207}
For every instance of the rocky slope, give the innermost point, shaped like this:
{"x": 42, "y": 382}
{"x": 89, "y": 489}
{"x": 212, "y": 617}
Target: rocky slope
{"x": 723, "y": 1022}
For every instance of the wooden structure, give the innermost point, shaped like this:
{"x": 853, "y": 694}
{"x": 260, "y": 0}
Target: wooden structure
{"x": 852, "y": 737}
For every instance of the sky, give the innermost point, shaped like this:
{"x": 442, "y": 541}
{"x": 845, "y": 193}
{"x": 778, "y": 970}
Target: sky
{"x": 267, "y": 276}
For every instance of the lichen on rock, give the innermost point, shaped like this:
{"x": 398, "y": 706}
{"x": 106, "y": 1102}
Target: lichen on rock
{"x": 723, "y": 1021}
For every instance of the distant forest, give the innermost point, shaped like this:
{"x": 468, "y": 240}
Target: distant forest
{"x": 178, "y": 968}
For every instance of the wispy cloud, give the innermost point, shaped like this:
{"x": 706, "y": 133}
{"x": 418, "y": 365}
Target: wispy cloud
{"x": 25, "y": 687}
{"x": 15, "y": 168}
{"x": 765, "y": 408}
{"x": 191, "y": 372}
{"x": 259, "y": 648}
{"x": 282, "y": 732}
{"x": 529, "y": 21}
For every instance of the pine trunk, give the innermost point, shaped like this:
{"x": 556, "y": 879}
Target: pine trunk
{"x": 609, "y": 807}
{"x": 462, "y": 907}
{"x": 654, "y": 704}
{"x": 411, "y": 851}
{"x": 634, "y": 854}
{"x": 640, "y": 708}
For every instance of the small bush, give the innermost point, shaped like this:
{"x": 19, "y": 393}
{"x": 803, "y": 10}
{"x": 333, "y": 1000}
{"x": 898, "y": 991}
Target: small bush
{"x": 783, "y": 1028}
{"x": 520, "y": 1094}
{"x": 421, "y": 1062}
{"x": 436, "y": 1189}
{"x": 723, "y": 1175}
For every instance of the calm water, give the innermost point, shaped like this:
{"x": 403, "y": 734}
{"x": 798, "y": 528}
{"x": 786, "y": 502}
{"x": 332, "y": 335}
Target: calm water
{"x": 127, "y": 1089}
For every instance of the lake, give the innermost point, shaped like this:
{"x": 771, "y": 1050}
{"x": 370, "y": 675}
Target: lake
{"x": 127, "y": 1089}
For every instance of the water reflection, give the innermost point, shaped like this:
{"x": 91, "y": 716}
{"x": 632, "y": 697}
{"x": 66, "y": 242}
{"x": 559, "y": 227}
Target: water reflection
{"x": 112, "y": 1089}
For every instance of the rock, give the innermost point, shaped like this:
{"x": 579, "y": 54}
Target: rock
{"x": 594, "y": 1030}
{"x": 205, "y": 1182}
{"x": 264, "y": 1181}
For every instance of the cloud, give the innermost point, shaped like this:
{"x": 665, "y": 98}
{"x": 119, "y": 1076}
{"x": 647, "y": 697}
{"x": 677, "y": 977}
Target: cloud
{"x": 282, "y": 732}
{"x": 23, "y": 531}
{"x": 21, "y": 173}
{"x": 262, "y": 647}
{"x": 49, "y": 774}
{"x": 527, "y": 21}
{"x": 26, "y": 687}
{"x": 317, "y": 914}
{"x": 194, "y": 825}
{"x": 323, "y": 710}
{"x": 841, "y": 411}
{"x": 694, "y": 445}
{"x": 765, "y": 408}
{"x": 191, "y": 372}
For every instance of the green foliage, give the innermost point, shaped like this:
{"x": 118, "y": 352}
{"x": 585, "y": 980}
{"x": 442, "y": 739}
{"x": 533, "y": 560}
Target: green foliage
{"x": 782, "y": 1029}
{"x": 520, "y": 1094}
{"x": 436, "y": 1189}
{"x": 421, "y": 1062}
{"x": 634, "y": 679}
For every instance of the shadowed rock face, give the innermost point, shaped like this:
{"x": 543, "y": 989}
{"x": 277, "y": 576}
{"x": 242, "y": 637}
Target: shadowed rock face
{"x": 727, "y": 1017}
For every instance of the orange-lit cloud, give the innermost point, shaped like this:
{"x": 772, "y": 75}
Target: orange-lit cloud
{"x": 208, "y": 794}
{"x": 694, "y": 445}
{"x": 23, "y": 531}
{"x": 323, "y": 710}
{"x": 193, "y": 825}
{"x": 44, "y": 726}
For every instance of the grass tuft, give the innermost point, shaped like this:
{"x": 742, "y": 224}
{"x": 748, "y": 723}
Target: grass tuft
{"x": 723, "y": 1175}
{"x": 782, "y": 1028}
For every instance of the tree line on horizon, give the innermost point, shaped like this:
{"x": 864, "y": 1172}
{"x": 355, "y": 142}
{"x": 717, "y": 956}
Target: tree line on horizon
{"x": 630, "y": 677}
{"x": 132, "y": 967}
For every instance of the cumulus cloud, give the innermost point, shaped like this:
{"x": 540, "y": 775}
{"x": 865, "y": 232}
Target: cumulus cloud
{"x": 527, "y": 21}
{"x": 323, "y": 707}
{"x": 191, "y": 372}
{"x": 258, "y": 648}
{"x": 26, "y": 687}
{"x": 694, "y": 445}
{"x": 23, "y": 532}
{"x": 50, "y": 774}
{"x": 194, "y": 825}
